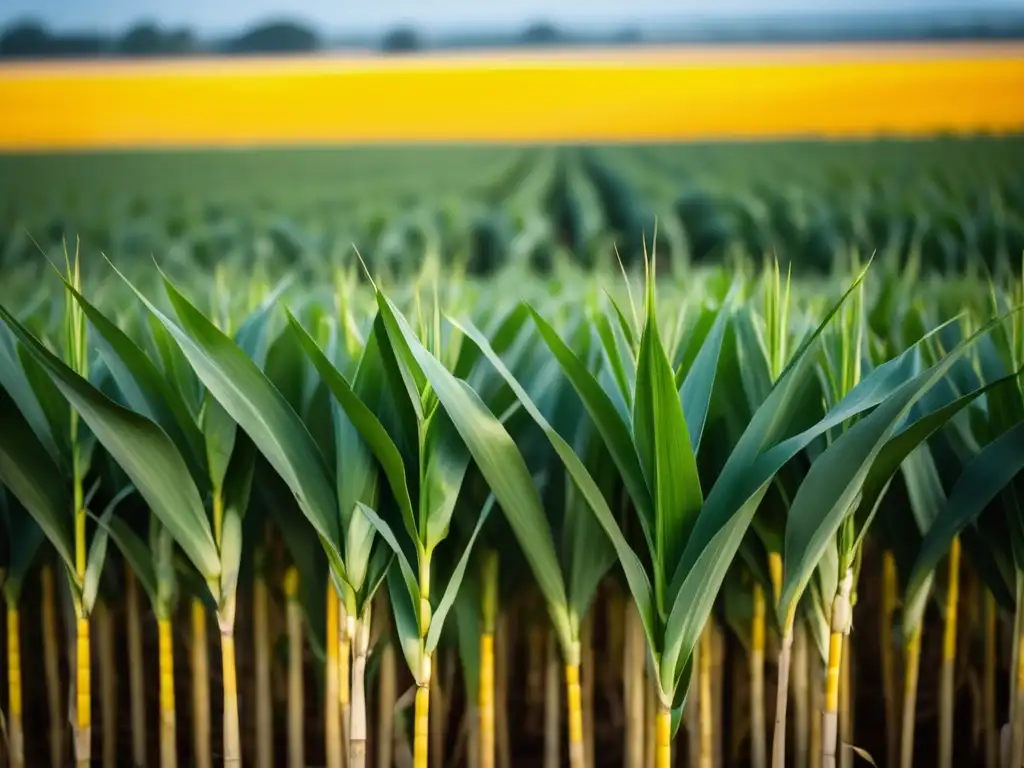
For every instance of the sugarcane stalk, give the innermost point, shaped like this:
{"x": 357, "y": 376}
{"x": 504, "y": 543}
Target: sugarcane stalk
{"x": 15, "y": 731}
{"x": 136, "y": 682}
{"x": 989, "y": 693}
{"x": 332, "y": 700}
{"x": 756, "y": 660}
{"x": 717, "y": 689}
{"x": 663, "y": 736}
{"x": 650, "y": 723}
{"x": 202, "y": 740}
{"x": 421, "y": 721}
{"x": 800, "y": 692}
{"x": 911, "y": 669}
{"x": 293, "y": 610}
{"x": 816, "y": 673}
{"x": 51, "y": 666}
{"x": 108, "y": 684}
{"x": 232, "y": 734}
{"x": 632, "y": 679}
{"x": 885, "y": 640}
{"x": 846, "y": 705}
{"x": 784, "y": 661}
{"x": 587, "y": 669}
{"x": 385, "y": 708}
{"x": 574, "y": 709}
{"x": 551, "y": 705}
{"x": 345, "y": 677}
{"x": 261, "y": 648}
{"x": 839, "y": 627}
{"x": 168, "y": 728}
{"x": 948, "y": 674}
{"x": 705, "y": 702}
{"x": 359, "y": 631}
{"x": 83, "y": 693}
{"x": 485, "y": 697}
{"x": 503, "y": 637}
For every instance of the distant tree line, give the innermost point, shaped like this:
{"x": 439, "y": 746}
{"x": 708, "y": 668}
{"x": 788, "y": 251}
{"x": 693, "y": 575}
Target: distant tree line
{"x": 30, "y": 39}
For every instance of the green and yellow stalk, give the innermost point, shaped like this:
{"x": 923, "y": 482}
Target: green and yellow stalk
{"x": 948, "y": 674}
{"x": 574, "y": 707}
{"x": 168, "y": 728}
{"x": 359, "y": 632}
{"x": 83, "y": 668}
{"x": 839, "y": 627}
{"x": 296, "y": 744}
{"x": 51, "y": 664}
{"x": 485, "y": 697}
{"x": 757, "y": 637}
{"x": 705, "y": 702}
{"x": 888, "y": 608}
{"x": 421, "y": 720}
{"x": 202, "y": 740}
{"x": 136, "y": 679}
{"x": 784, "y": 661}
{"x": 344, "y": 676}
{"x": 911, "y": 669}
{"x": 232, "y": 734}
{"x": 261, "y": 647}
{"x": 15, "y": 732}
{"x": 332, "y": 698}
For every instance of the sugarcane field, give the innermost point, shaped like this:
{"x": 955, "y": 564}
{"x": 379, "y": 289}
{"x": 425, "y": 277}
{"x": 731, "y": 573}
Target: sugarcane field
{"x": 651, "y": 455}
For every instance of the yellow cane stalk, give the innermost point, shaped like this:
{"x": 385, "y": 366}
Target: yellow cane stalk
{"x": 332, "y": 696}
{"x": 83, "y": 694}
{"x": 705, "y": 703}
{"x": 949, "y": 658}
{"x": 14, "y": 699}
{"x": 202, "y": 739}
{"x": 486, "y": 700}
{"x": 344, "y": 677}
{"x": 757, "y": 635}
{"x": 296, "y": 746}
{"x": 663, "y": 738}
{"x": 168, "y": 737}
{"x": 574, "y": 703}
{"x": 840, "y": 625}
{"x": 912, "y": 665}
{"x": 421, "y": 727}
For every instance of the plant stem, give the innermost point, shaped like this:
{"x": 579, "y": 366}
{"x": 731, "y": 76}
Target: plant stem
{"x": 232, "y": 735}
{"x": 332, "y": 701}
{"x": 551, "y": 705}
{"x": 663, "y": 737}
{"x": 846, "y": 699}
{"x": 782, "y": 695}
{"x": 574, "y": 707}
{"x": 108, "y": 683}
{"x": 421, "y": 721}
{"x": 261, "y": 648}
{"x": 801, "y": 691}
{"x": 632, "y": 681}
{"x": 136, "y": 680}
{"x": 202, "y": 740}
{"x": 15, "y": 733}
{"x": 168, "y": 729}
{"x": 83, "y": 694}
{"x": 885, "y": 639}
{"x": 911, "y": 667}
{"x": 503, "y": 637}
{"x": 345, "y": 637}
{"x": 51, "y": 664}
{"x": 293, "y": 611}
{"x": 385, "y": 709}
{"x": 991, "y": 726}
{"x": 485, "y": 695}
{"x": 947, "y": 679}
{"x": 839, "y": 626}
{"x": 757, "y": 725}
{"x": 704, "y": 700}
{"x": 360, "y": 644}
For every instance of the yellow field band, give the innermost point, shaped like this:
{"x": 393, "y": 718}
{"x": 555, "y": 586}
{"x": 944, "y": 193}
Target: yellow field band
{"x": 775, "y": 574}
{"x": 663, "y": 739}
{"x": 227, "y": 656}
{"x": 835, "y": 659}
{"x": 13, "y": 662}
{"x": 83, "y": 675}
{"x": 421, "y": 727}
{"x": 291, "y": 582}
{"x": 344, "y": 678}
{"x": 166, "y": 643}
{"x": 669, "y": 95}
{"x": 757, "y": 630}
{"x": 574, "y": 702}
{"x": 952, "y": 601}
{"x": 486, "y": 693}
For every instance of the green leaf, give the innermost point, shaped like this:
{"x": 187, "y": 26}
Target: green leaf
{"x": 219, "y": 433}
{"x": 25, "y": 538}
{"x": 135, "y": 551}
{"x": 666, "y": 455}
{"x": 451, "y": 590}
{"x": 31, "y": 475}
{"x": 446, "y": 463}
{"x": 406, "y": 622}
{"x": 145, "y": 453}
{"x": 499, "y": 462}
{"x": 14, "y": 379}
{"x": 695, "y": 393}
{"x": 259, "y": 409}
{"x": 636, "y": 577}
{"x": 98, "y": 552}
{"x": 408, "y": 574}
{"x": 982, "y": 479}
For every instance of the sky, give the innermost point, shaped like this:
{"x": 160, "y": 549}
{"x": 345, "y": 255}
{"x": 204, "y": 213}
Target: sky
{"x": 358, "y": 15}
